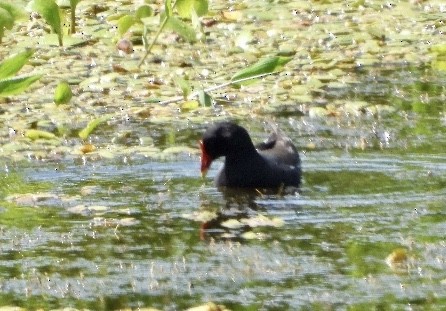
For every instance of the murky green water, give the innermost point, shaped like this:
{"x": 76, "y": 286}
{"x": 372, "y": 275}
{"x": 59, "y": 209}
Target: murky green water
{"x": 138, "y": 240}
{"x": 132, "y": 224}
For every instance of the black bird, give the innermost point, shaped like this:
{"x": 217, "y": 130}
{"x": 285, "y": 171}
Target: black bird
{"x": 274, "y": 163}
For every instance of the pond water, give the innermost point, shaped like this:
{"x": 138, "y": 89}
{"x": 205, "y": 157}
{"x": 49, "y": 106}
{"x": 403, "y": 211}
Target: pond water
{"x": 128, "y": 232}
{"x": 124, "y": 220}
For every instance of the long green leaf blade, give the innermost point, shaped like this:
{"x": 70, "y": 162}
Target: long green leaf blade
{"x": 12, "y": 65}
{"x": 91, "y": 126}
{"x": 183, "y": 29}
{"x": 50, "y": 12}
{"x": 184, "y": 85}
{"x": 16, "y": 85}
{"x": 15, "y": 11}
{"x": 168, "y": 8}
{"x": 6, "y": 21}
{"x": 38, "y": 134}
{"x": 264, "y": 66}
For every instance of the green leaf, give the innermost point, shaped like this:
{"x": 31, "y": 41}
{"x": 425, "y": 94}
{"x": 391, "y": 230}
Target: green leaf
{"x": 36, "y": 134}
{"x": 201, "y": 7}
{"x": 16, "y": 85}
{"x": 183, "y": 29}
{"x": 50, "y": 12}
{"x": 6, "y": 22}
{"x": 145, "y": 42}
{"x": 12, "y": 65}
{"x": 190, "y": 105}
{"x": 92, "y": 125}
{"x": 439, "y": 65}
{"x": 204, "y": 99}
{"x": 168, "y": 8}
{"x": 439, "y": 50}
{"x": 186, "y": 7}
{"x": 143, "y": 11}
{"x": 184, "y": 85}
{"x": 264, "y": 66}
{"x": 14, "y": 11}
{"x": 62, "y": 94}
{"x": 124, "y": 23}
{"x": 8, "y": 14}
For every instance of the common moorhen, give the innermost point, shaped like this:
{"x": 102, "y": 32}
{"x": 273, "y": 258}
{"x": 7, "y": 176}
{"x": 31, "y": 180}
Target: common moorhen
{"x": 275, "y": 163}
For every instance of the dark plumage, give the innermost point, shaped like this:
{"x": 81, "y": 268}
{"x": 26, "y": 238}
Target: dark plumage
{"x": 275, "y": 162}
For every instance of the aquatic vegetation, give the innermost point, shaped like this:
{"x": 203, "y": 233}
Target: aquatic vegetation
{"x": 50, "y": 12}
{"x": 11, "y": 84}
{"x": 62, "y": 93}
{"x": 101, "y": 203}
{"x": 9, "y": 14}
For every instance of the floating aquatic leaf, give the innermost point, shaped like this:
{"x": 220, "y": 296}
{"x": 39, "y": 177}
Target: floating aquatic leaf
{"x": 38, "y": 134}
{"x": 52, "y": 39}
{"x": 317, "y": 112}
{"x": 232, "y": 15}
{"x": 232, "y": 224}
{"x": 264, "y": 66}
{"x": 12, "y": 65}
{"x": 249, "y": 235}
{"x": 367, "y": 61}
{"x": 98, "y": 208}
{"x": 202, "y": 216}
{"x": 92, "y": 125}
{"x": 89, "y": 190}
{"x": 439, "y": 65}
{"x": 50, "y": 12}
{"x": 129, "y": 221}
{"x": 190, "y": 105}
{"x": 106, "y": 154}
{"x": 63, "y": 93}
{"x": 439, "y": 49}
{"x": 32, "y": 199}
{"x": 263, "y": 221}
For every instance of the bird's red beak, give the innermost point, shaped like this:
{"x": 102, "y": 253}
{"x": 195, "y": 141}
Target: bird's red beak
{"x": 205, "y": 160}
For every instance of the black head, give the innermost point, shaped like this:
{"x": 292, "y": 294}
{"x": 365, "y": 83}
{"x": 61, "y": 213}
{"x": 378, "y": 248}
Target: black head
{"x": 226, "y": 139}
